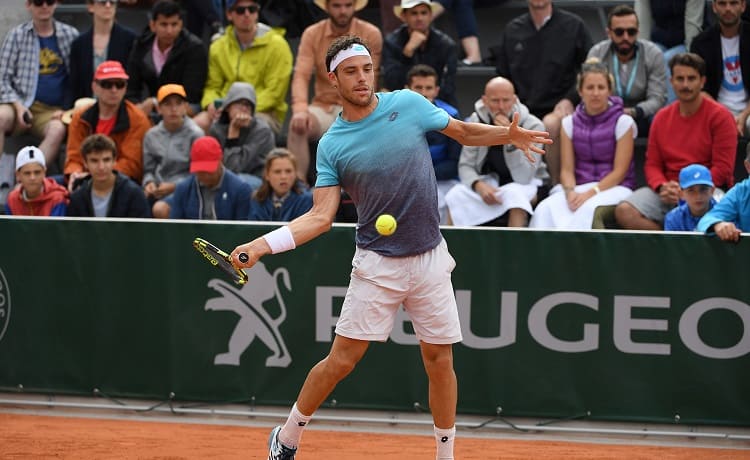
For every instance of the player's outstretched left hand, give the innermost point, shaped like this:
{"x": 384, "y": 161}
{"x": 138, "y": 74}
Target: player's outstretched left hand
{"x": 525, "y": 139}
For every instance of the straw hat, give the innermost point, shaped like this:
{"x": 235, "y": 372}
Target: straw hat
{"x": 358, "y": 4}
{"x": 408, "y": 4}
{"x": 80, "y": 104}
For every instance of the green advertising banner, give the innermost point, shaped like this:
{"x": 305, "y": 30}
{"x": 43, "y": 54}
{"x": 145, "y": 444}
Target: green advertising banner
{"x": 608, "y": 325}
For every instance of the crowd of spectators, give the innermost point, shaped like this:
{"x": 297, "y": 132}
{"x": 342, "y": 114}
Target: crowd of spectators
{"x": 191, "y": 110}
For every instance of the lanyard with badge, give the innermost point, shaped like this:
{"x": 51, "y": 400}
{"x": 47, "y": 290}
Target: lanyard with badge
{"x": 633, "y": 70}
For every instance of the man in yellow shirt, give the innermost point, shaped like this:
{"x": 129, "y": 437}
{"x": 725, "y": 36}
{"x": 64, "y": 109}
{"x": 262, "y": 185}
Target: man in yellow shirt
{"x": 251, "y": 52}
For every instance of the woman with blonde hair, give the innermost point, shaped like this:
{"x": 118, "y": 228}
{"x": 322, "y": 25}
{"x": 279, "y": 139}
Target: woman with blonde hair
{"x": 596, "y": 155}
{"x": 281, "y": 197}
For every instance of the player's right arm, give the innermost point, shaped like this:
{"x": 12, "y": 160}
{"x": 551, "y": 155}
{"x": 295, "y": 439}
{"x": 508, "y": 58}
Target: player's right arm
{"x": 306, "y": 227}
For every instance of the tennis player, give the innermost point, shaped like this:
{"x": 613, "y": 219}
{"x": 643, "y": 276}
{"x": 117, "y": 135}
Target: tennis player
{"x": 376, "y": 150}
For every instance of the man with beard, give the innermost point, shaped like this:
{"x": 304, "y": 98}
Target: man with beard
{"x": 693, "y": 129}
{"x": 376, "y": 149}
{"x": 418, "y": 41}
{"x": 725, "y": 46}
{"x": 637, "y": 66}
{"x": 310, "y": 120}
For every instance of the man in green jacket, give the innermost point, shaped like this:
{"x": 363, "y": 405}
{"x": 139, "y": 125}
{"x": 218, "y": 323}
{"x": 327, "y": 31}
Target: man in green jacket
{"x": 251, "y": 52}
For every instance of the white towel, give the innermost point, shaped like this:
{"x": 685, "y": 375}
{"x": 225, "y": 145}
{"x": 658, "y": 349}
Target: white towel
{"x": 467, "y": 208}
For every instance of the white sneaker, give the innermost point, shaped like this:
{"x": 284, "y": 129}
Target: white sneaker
{"x": 277, "y": 450}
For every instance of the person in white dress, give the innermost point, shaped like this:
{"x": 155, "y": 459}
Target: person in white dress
{"x": 596, "y": 152}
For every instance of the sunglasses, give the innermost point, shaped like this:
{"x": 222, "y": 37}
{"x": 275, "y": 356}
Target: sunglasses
{"x": 109, "y": 84}
{"x": 42, "y": 2}
{"x": 104, "y": 2}
{"x": 251, "y": 8}
{"x": 619, "y": 32}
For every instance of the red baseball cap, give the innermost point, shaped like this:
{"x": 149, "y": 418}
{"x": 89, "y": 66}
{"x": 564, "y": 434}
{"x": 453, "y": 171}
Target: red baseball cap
{"x": 205, "y": 155}
{"x": 110, "y": 70}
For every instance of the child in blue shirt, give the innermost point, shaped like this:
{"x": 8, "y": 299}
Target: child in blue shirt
{"x": 281, "y": 197}
{"x": 696, "y": 199}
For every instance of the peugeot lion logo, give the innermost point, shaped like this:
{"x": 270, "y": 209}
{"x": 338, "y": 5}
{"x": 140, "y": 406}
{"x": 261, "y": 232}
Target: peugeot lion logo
{"x": 4, "y": 304}
{"x": 247, "y": 301}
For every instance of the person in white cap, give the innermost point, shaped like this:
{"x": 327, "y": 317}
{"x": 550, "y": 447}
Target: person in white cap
{"x": 35, "y": 194}
{"x": 417, "y": 41}
{"x": 310, "y": 120}
{"x": 376, "y": 150}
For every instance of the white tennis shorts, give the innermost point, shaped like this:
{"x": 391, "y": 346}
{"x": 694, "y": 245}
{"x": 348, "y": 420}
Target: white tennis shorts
{"x": 379, "y": 285}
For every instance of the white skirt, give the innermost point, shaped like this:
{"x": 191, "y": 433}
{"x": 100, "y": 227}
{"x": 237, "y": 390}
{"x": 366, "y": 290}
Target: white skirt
{"x": 553, "y": 212}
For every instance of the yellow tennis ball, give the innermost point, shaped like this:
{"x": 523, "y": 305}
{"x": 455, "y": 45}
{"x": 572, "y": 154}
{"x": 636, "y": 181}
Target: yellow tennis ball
{"x": 385, "y": 224}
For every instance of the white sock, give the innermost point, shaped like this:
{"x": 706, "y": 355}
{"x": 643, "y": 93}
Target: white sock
{"x": 444, "y": 440}
{"x": 291, "y": 432}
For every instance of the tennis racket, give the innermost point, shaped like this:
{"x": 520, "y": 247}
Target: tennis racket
{"x": 221, "y": 259}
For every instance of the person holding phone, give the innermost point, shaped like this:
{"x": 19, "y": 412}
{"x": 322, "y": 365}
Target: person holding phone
{"x": 34, "y": 77}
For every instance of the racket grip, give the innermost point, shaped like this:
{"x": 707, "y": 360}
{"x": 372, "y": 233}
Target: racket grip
{"x": 243, "y": 257}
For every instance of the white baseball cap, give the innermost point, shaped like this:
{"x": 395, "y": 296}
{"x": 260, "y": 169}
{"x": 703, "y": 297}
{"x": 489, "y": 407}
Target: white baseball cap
{"x": 29, "y": 154}
{"x": 408, "y": 4}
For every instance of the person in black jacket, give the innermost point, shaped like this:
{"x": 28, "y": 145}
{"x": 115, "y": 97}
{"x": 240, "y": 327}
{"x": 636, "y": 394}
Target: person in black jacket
{"x": 725, "y": 46}
{"x": 105, "y": 192}
{"x": 419, "y": 42}
{"x": 106, "y": 40}
{"x": 541, "y": 52}
{"x": 178, "y": 57}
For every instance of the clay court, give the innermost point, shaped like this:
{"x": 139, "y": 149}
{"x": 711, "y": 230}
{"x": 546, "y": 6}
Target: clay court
{"x": 68, "y": 433}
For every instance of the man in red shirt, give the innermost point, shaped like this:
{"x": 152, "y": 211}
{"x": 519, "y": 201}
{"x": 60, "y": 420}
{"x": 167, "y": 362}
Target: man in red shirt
{"x": 113, "y": 116}
{"x": 693, "y": 129}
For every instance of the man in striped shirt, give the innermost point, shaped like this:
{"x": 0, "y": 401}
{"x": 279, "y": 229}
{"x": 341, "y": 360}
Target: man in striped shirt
{"x": 34, "y": 77}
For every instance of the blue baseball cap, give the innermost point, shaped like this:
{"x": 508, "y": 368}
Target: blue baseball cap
{"x": 695, "y": 174}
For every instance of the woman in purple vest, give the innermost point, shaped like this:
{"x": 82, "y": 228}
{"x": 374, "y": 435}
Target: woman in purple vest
{"x": 596, "y": 152}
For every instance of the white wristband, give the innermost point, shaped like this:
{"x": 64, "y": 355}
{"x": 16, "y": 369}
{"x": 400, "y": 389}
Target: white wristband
{"x": 280, "y": 240}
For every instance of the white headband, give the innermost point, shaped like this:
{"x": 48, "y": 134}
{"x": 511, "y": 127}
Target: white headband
{"x": 354, "y": 50}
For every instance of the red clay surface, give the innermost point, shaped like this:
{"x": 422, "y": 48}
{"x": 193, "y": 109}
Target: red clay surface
{"x": 44, "y": 437}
